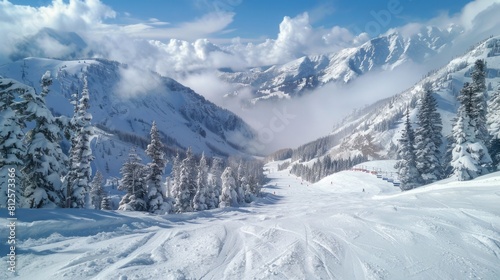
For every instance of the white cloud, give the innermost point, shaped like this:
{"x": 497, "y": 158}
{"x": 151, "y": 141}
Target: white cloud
{"x": 20, "y": 22}
{"x": 477, "y": 19}
{"x": 200, "y": 28}
{"x": 136, "y": 81}
{"x": 186, "y": 52}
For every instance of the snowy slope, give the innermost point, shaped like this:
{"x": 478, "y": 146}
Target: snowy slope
{"x": 382, "y": 53}
{"x": 124, "y": 101}
{"x": 328, "y": 230}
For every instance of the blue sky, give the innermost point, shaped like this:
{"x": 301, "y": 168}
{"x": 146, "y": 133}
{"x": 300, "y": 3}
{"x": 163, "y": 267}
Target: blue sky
{"x": 257, "y": 19}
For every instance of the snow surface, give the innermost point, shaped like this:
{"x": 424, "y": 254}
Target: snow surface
{"x": 327, "y": 230}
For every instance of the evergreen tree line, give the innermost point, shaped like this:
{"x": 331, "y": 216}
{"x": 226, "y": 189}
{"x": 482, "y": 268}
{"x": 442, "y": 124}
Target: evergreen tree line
{"x": 30, "y": 144}
{"x": 315, "y": 148}
{"x": 472, "y": 150}
{"x": 325, "y": 167}
{"x": 193, "y": 185}
{"x": 30, "y": 138}
{"x": 198, "y": 185}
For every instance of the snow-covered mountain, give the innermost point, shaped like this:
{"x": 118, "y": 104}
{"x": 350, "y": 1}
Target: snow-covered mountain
{"x": 125, "y": 101}
{"x": 382, "y": 53}
{"x": 374, "y": 130}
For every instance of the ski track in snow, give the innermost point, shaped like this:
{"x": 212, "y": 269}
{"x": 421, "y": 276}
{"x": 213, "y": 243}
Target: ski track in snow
{"x": 327, "y": 230}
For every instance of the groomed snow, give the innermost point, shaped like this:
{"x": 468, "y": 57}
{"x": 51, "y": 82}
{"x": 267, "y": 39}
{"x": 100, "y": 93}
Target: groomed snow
{"x": 328, "y": 230}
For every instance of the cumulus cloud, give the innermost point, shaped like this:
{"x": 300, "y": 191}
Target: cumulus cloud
{"x": 19, "y": 22}
{"x": 182, "y": 46}
{"x": 180, "y": 43}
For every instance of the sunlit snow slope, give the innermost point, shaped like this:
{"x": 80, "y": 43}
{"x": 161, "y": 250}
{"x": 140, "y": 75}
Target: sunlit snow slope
{"x": 328, "y": 230}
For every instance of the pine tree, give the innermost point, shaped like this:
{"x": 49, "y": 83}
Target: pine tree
{"x": 156, "y": 169}
{"x": 12, "y": 150}
{"x": 199, "y": 201}
{"x": 97, "y": 191}
{"x": 240, "y": 191}
{"x": 465, "y": 166}
{"x": 494, "y": 149}
{"x": 478, "y": 100}
{"x": 428, "y": 138}
{"x": 247, "y": 189}
{"x": 494, "y": 114}
{"x": 228, "y": 196}
{"x": 494, "y": 128}
{"x": 215, "y": 182}
{"x": 72, "y": 130}
{"x": 470, "y": 157}
{"x": 407, "y": 165}
{"x": 190, "y": 165}
{"x": 133, "y": 183}
{"x": 44, "y": 164}
{"x": 175, "y": 174}
{"x": 183, "y": 200}
{"x": 106, "y": 203}
{"x": 81, "y": 153}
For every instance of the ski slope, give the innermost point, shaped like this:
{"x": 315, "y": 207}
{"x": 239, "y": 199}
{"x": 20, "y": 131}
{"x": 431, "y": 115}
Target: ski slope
{"x": 328, "y": 230}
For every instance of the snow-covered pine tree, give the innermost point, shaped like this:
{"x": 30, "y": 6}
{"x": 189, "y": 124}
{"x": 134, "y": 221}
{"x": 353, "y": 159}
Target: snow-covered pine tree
{"x": 175, "y": 176}
{"x": 12, "y": 150}
{"x": 155, "y": 170}
{"x": 240, "y": 188}
{"x": 106, "y": 203}
{"x": 465, "y": 166}
{"x": 494, "y": 128}
{"x": 228, "y": 196}
{"x": 190, "y": 165}
{"x": 183, "y": 200}
{"x": 215, "y": 181}
{"x": 428, "y": 138}
{"x": 255, "y": 177}
{"x": 97, "y": 192}
{"x": 407, "y": 165}
{"x": 495, "y": 153}
{"x": 253, "y": 186}
{"x": 478, "y": 100}
{"x": 200, "y": 198}
{"x": 133, "y": 182}
{"x": 72, "y": 130}
{"x": 80, "y": 187}
{"x": 470, "y": 156}
{"x": 247, "y": 189}
{"x": 211, "y": 200}
{"x": 44, "y": 164}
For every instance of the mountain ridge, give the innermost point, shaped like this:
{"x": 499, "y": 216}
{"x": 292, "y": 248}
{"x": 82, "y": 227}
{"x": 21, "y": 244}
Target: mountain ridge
{"x": 304, "y": 74}
{"x": 382, "y": 119}
{"x": 126, "y": 109}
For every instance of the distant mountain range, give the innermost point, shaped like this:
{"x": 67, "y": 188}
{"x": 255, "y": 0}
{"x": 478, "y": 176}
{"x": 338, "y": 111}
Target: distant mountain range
{"x": 374, "y": 130}
{"x": 309, "y": 72}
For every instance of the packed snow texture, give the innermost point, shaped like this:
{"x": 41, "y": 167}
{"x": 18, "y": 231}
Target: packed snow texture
{"x": 328, "y": 230}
